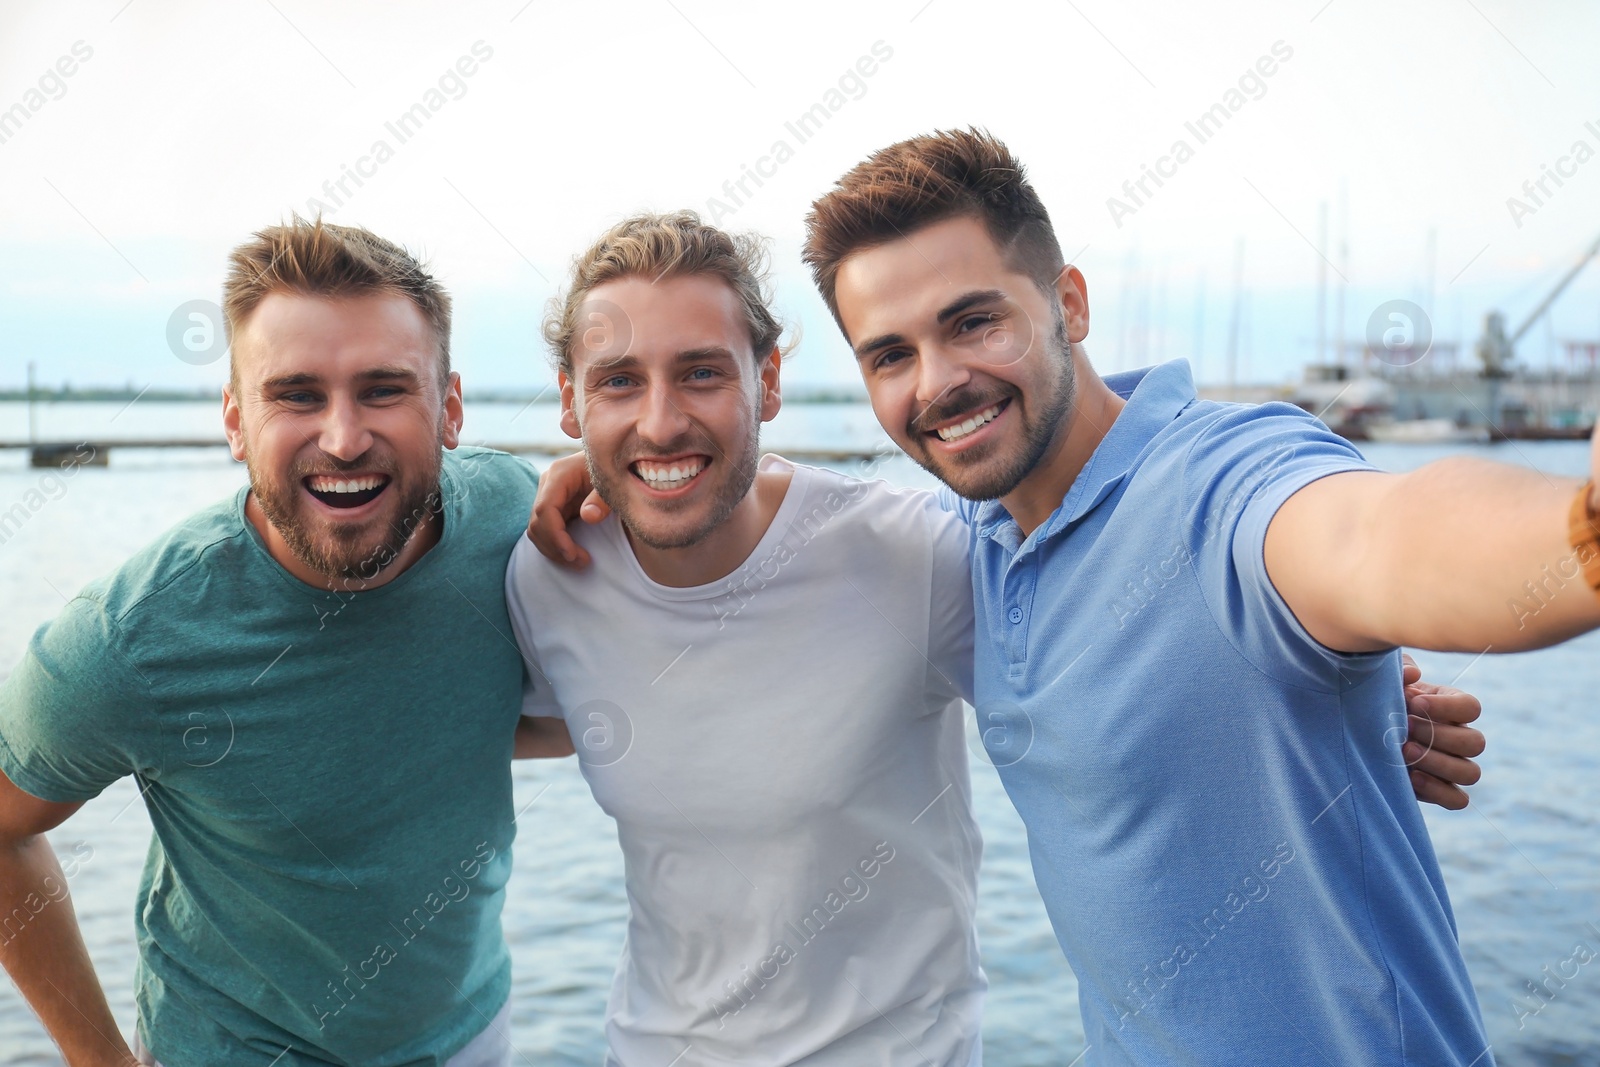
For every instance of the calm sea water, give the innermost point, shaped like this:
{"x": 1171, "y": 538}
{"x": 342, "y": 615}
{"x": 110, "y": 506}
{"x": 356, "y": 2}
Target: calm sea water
{"x": 1523, "y": 863}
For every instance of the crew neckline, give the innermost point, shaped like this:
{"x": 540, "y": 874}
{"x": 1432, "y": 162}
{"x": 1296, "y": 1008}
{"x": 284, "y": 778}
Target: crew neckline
{"x": 777, "y": 530}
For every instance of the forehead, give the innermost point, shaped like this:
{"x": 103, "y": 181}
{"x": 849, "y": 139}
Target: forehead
{"x": 333, "y": 337}
{"x": 892, "y": 286}
{"x": 656, "y": 320}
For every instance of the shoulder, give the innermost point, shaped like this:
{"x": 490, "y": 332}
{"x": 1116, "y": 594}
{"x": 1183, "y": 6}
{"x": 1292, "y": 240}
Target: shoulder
{"x": 472, "y": 463}
{"x": 488, "y": 487}
{"x": 1219, "y": 435}
{"x": 183, "y": 560}
{"x": 1227, "y": 454}
{"x": 872, "y": 506}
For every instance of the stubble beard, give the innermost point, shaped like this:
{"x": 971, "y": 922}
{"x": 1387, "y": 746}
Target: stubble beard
{"x": 351, "y": 555}
{"x": 1039, "y": 434}
{"x": 738, "y": 473}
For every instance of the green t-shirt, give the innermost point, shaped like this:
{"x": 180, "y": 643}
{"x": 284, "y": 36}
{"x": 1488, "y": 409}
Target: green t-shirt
{"x": 328, "y": 775}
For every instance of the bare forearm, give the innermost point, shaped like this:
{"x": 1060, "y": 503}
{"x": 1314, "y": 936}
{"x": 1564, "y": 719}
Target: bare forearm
{"x": 42, "y": 949}
{"x": 1459, "y": 555}
{"x": 542, "y": 738}
{"x": 1469, "y": 555}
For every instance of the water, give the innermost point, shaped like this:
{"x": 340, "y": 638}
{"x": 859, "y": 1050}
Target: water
{"x": 1522, "y": 863}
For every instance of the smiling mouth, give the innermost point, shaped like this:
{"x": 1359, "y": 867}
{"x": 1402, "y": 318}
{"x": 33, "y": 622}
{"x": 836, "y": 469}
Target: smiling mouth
{"x": 347, "y": 490}
{"x": 963, "y": 428}
{"x": 666, "y": 476}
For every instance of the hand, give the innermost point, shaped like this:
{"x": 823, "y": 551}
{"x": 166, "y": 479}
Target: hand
{"x": 565, "y": 493}
{"x": 1440, "y": 747}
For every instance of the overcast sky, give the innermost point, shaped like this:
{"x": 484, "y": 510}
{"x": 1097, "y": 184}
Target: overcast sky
{"x": 182, "y": 127}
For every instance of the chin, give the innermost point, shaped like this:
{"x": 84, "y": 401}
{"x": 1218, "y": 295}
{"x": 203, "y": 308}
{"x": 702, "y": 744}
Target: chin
{"x": 987, "y": 479}
{"x": 666, "y": 535}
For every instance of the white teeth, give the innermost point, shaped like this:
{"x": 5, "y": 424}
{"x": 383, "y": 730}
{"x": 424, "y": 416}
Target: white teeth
{"x": 664, "y": 476}
{"x": 325, "y": 484}
{"x": 961, "y": 429}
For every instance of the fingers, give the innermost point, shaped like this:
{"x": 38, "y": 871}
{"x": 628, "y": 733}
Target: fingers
{"x": 1442, "y": 704}
{"x": 1431, "y": 790}
{"x": 563, "y": 484}
{"x": 1410, "y": 673}
{"x": 1452, "y": 770}
{"x": 1443, "y": 737}
{"x": 594, "y": 509}
{"x": 547, "y": 529}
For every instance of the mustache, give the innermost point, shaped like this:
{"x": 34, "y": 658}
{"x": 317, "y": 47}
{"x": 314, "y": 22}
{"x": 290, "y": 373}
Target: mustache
{"x": 953, "y": 404}
{"x": 675, "y": 447}
{"x": 333, "y": 465}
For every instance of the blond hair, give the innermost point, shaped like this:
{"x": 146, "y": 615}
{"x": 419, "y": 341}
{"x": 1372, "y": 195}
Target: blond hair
{"x": 658, "y": 246}
{"x": 317, "y": 258}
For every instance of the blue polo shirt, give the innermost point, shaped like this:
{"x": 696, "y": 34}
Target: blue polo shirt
{"x": 1219, "y": 816}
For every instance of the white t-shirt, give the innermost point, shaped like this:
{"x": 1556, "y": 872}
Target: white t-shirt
{"x": 783, "y": 753}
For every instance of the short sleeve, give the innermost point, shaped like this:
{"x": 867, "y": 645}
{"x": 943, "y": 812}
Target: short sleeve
{"x": 957, "y": 505}
{"x": 950, "y": 608}
{"x": 75, "y": 716}
{"x": 538, "y": 698}
{"x": 1243, "y": 468}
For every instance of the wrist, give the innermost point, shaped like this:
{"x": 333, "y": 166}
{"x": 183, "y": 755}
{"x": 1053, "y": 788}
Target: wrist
{"x": 1584, "y": 533}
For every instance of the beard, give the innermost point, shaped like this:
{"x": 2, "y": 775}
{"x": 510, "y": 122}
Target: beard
{"x": 736, "y": 473}
{"x": 353, "y": 553}
{"x": 989, "y": 474}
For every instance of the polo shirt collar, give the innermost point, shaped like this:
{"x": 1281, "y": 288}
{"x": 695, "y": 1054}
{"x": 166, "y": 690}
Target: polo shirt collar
{"x": 1155, "y": 396}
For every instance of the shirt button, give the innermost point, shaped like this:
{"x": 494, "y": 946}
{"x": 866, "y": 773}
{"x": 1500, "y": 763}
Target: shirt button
{"x": 1015, "y": 615}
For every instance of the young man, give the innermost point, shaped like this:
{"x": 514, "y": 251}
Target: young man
{"x": 771, "y": 713}
{"x": 764, "y": 674}
{"x": 307, "y": 683}
{"x": 1194, "y": 608}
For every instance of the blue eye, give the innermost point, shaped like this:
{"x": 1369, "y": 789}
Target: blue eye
{"x": 618, "y": 382}
{"x": 702, "y": 373}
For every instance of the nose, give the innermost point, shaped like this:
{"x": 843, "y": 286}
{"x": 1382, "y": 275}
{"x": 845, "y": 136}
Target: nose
{"x": 661, "y": 420}
{"x": 344, "y": 434}
{"x": 939, "y": 374}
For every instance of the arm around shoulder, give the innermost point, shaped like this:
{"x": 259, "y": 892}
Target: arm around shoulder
{"x": 540, "y": 737}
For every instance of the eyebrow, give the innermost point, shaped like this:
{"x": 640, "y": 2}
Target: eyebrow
{"x": 964, "y": 302}
{"x": 607, "y": 364}
{"x": 385, "y": 373}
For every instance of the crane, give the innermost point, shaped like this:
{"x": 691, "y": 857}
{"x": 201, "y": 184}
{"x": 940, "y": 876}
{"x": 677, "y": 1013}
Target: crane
{"x": 1496, "y": 349}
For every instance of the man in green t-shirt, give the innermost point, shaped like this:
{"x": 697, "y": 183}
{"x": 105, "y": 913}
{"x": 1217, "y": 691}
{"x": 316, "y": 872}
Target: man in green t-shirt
{"x": 314, "y": 684}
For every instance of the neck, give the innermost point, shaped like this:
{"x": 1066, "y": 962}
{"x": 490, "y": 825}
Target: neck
{"x": 1094, "y": 408}
{"x": 424, "y": 537}
{"x": 720, "y": 552}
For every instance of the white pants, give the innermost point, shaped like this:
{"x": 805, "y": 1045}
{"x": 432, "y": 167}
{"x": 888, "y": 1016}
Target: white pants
{"x": 491, "y": 1048}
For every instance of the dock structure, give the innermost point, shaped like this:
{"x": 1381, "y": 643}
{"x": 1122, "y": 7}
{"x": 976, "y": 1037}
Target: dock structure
{"x": 97, "y": 452}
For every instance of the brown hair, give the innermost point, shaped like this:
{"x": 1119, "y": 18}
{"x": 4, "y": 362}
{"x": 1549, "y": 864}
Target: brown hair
{"x": 671, "y": 245}
{"x": 943, "y": 175}
{"x": 318, "y": 258}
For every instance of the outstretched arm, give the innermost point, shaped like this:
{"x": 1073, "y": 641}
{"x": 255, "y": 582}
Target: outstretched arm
{"x": 1461, "y": 555}
{"x": 44, "y": 953}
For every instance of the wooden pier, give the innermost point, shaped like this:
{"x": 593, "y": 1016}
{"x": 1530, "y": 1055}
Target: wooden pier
{"x": 97, "y": 452}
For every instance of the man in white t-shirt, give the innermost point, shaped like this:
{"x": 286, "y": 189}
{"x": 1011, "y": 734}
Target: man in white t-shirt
{"x": 763, "y": 675}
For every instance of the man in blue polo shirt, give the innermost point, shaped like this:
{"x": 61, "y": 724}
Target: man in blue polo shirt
{"x": 1187, "y": 617}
